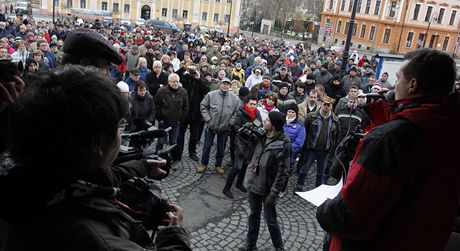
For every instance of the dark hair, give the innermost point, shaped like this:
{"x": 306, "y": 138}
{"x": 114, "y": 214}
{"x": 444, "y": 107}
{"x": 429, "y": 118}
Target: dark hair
{"x": 62, "y": 116}
{"x": 249, "y": 97}
{"x": 434, "y": 70}
{"x": 353, "y": 87}
{"x": 272, "y": 96}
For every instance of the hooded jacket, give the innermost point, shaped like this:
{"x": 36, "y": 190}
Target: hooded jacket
{"x": 403, "y": 187}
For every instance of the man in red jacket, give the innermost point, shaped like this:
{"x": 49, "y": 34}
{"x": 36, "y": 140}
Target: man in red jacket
{"x": 403, "y": 186}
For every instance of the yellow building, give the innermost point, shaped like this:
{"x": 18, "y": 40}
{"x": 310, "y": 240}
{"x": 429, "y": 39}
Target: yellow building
{"x": 392, "y": 25}
{"x": 211, "y": 14}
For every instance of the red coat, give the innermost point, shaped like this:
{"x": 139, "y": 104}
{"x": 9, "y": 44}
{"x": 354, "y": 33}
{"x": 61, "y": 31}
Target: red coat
{"x": 403, "y": 187}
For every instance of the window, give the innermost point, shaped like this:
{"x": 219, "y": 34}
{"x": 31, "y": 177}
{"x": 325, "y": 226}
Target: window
{"x": 386, "y": 36}
{"x": 339, "y": 26}
{"x": 445, "y": 43}
{"x": 104, "y": 5}
{"x": 69, "y": 3}
{"x": 372, "y": 33}
{"x": 421, "y": 38}
{"x": 185, "y": 14}
{"x": 174, "y": 13}
{"x": 410, "y": 37}
{"x": 441, "y": 15}
{"x": 452, "y": 17}
{"x": 126, "y": 8}
{"x": 355, "y": 28}
{"x": 368, "y": 6}
{"x": 347, "y": 26}
{"x": 204, "y": 16}
{"x": 164, "y": 12}
{"x": 229, "y": 1}
{"x": 428, "y": 13}
{"x": 216, "y": 18}
{"x": 377, "y": 7}
{"x": 227, "y": 19}
{"x": 342, "y": 5}
{"x": 363, "y": 31}
{"x": 56, "y": 2}
{"x": 416, "y": 11}
{"x": 350, "y": 5}
{"x": 116, "y": 7}
{"x": 83, "y": 4}
{"x": 331, "y": 4}
{"x": 358, "y": 7}
{"x": 392, "y": 10}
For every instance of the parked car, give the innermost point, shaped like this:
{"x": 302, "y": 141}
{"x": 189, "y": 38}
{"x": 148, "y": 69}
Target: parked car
{"x": 21, "y": 7}
{"x": 162, "y": 25}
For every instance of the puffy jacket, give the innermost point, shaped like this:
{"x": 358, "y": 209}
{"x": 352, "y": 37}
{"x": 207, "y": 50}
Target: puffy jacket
{"x": 403, "y": 187}
{"x": 141, "y": 109}
{"x": 171, "y": 105}
{"x": 284, "y": 101}
{"x": 196, "y": 90}
{"x": 218, "y": 109}
{"x": 240, "y": 74}
{"x": 272, "y": 160}
{"x": 296, "y": 133}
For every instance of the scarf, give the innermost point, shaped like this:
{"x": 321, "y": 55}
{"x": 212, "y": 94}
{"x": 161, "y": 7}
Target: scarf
{"x": 267, "y": 107}
{"x": 252, "y": 113}
{"x": 288, "y": 120}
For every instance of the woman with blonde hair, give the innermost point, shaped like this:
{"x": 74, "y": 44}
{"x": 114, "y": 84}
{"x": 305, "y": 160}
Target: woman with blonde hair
{"x": 142, "y": 65}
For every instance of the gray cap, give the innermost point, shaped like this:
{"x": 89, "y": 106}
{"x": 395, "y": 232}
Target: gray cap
{"x": 226, "y": 80}
{"x": 86, "y": 42}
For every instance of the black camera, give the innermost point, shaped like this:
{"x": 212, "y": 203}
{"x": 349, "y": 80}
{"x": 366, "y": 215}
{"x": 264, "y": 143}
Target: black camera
{"x": 144, "y": 197}
{"x": 8, "y": 69}
{"x": 251, "y": 132}
{"x": 136, "y": 146}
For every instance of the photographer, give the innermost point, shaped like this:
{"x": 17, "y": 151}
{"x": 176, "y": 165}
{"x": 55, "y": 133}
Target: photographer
{"x": 74, "y": 204}
{"x": 402, "y": 190}
{"x": 266, "y": 176}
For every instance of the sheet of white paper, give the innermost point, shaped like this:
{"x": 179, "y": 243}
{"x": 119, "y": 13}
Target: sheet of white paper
{"x": 320, "y": 194}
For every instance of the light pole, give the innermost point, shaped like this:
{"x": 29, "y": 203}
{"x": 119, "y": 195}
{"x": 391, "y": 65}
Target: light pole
{"x": 435, "y": 17}
{"x": 349, "y": 34}
{"x": 230, "y": 18}
{"x": 54, "y": 9}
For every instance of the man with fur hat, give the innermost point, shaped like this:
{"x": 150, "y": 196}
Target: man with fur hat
{"x": 266, "y": 177}
{"x": 323, "y": 131}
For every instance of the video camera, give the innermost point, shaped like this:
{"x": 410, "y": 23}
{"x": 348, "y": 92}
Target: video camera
{"x": 135, "y": 147}
{"x": 251, "y": 132}
{"x": 8, "y": 69}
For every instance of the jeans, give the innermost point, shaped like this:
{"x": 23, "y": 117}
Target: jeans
{"x": 256, "y": 201}
{"x": 310, "y": 157}
{"x": 172, "y": 135}
{"x": 194, "y": 127}
{"x": 208, "y": 141}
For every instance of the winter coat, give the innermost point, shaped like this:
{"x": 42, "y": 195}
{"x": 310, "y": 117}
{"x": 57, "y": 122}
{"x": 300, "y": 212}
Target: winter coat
{"x": 154, "y": 83}
{"x": 259, "y": 92}
{"x": 141, "y": 109}
{"x": 241, "y": 118}
{"x": 284, "y": 101}
{"x": 348, "y": 80}
{"x": 218, "y": 109}
{"x": 357, "y": 118}
{"x": 401, "y": 168}
{"x": 83, "y": 218}
{"x": 299, "y": 98}
{"x": 296, "y": 133}
{"x": 239, "y": 74}
{"x": 304, "y": 110}
{"x": 268, "y": 169}
{"x": 171, "y": 105}
{"x": 313, "y": 124}
{"x": 196, "y": 90}
{"x": 336, "y": 92}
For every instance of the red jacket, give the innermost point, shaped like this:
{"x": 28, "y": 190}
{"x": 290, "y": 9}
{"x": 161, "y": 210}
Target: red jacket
{"x": 403, "y": 187}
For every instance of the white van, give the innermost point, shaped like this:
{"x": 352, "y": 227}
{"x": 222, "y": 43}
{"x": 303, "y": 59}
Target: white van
{"x": 21, "y": 7}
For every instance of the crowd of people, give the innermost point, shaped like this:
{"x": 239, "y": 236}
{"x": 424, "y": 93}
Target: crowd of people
{"x": 212, "y": 84}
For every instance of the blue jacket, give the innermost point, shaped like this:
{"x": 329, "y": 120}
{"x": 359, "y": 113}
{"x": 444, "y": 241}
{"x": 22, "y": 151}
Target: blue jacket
{"x": 296, "y": 132}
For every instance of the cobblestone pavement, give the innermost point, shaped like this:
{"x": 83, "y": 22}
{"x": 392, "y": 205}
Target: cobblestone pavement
{"x": 218, "y": 223}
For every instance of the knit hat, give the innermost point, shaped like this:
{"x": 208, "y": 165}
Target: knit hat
{"x": 243, "y": 92}
{"x": 283, "y": 84}
{"x": 266, "y": 76}
{"x": 278, "y": 119}
{"x": 123, "y": 87}
{"x": 294, "y": 107}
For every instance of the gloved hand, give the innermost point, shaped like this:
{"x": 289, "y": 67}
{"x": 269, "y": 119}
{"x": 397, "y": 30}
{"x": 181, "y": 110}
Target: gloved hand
{"x": 271, "y": 198}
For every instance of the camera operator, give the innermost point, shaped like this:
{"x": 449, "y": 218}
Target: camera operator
{"x": 266, "y": 176}
{"x": 402, "y": 189}
{"x": 64, "y": 137}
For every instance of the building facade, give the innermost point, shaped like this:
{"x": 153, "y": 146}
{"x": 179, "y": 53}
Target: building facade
{"x": 395, "y": 26}
{"x": 211, "y": 14}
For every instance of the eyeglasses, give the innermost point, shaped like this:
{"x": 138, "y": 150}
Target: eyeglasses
{"x": 327, "y": 104}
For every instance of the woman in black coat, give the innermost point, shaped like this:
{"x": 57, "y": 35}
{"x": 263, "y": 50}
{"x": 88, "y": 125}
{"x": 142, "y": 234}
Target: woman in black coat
{"x": 142, "y": 109}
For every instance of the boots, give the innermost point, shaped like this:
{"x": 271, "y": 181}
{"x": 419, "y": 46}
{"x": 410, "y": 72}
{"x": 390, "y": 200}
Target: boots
{"x": 240, "y": 179}
{"x": 228, "y": 184}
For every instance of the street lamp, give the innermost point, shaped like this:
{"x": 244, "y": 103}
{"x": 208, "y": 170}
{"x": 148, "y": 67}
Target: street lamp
{"x": 230, "y": 18}
{"x": 435, "y": 17}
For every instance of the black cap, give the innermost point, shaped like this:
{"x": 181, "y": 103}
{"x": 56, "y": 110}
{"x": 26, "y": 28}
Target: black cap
{"x": 278, "y": 119}
{"x": 86, "y": 42}
{"x": 135, "y": 71}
